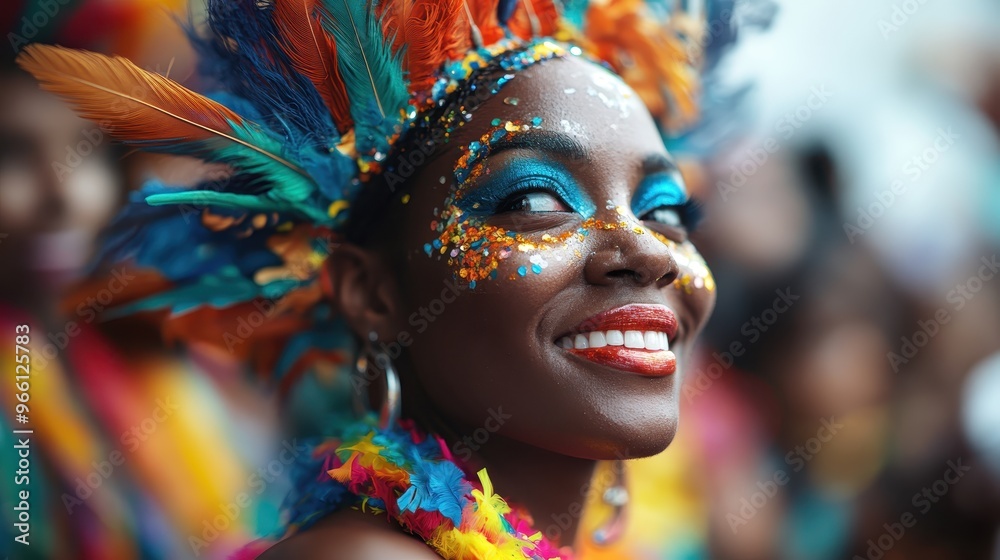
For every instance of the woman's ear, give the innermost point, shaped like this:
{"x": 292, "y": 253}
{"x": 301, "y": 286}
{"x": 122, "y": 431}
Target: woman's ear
{"x": 364, "y": 290}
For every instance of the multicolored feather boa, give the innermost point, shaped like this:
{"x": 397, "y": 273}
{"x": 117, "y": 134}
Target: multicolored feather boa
{"x": 414, "y": 479}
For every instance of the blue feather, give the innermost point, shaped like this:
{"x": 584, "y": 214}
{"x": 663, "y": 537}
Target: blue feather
{"x": 505, "y": 11}
{"x": 236, "y": 55}
{"x": 435, "y": 486}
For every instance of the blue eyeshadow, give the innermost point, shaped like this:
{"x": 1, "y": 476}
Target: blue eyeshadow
{"x": 525, "y": 175}
{"x": 661, "y": 189}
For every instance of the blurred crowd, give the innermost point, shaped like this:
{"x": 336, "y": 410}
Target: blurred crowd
{"x": 844, "y": 401}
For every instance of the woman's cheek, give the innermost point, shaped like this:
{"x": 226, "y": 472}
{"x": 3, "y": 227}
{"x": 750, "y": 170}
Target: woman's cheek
{"x": 693, "y": 270}
{"x": 479, "y": 251}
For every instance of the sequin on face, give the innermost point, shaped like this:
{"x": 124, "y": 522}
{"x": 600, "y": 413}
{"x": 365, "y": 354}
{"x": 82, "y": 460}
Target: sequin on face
{"x": 474, "y": 247}
{"x": 694, "y": 273}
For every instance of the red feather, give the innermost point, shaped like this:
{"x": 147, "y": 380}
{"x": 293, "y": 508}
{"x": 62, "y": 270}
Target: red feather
{"x": 314, "y": 54}
{"x": 429, "y": 31}
{"x": 458, "y": 40}
{"x": 484, "y": 15}
{"x": 546, "y": 12}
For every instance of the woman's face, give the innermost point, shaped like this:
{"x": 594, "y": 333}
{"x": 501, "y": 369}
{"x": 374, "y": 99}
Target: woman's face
{"x": 542, "y": 218}
{"x": 58, "y": 185}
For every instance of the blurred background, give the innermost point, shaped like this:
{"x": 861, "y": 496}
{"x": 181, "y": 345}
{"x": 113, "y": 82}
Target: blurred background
{"x": 846, "y": 399}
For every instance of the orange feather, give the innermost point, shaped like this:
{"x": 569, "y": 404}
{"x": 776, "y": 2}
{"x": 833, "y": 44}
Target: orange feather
{"x": 133, "y": 104}
{"x": 314, "y": 55}
{"x": 546, "y": 12}
{"x": 392, "y": 14}
{"x": 484, "y": 15}
{"x": 140, "y": 105}
{"x": 458, "y": 40}
{"x": 429, "y": 28}
{"x": 648, "y": 55}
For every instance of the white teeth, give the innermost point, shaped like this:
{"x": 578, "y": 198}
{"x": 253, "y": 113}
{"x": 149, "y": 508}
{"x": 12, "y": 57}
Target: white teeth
{"x": 651, "y": 340}
{"x": 633, "y": 339}
{"x": 597, "y": 340}
{"x": 615, "y": 338}
{"x": 638, "y": 340}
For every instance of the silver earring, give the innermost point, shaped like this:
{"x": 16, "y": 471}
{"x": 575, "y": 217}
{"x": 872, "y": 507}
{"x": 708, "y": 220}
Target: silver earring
{"x": 615, "y": 496}
{"x": 372, "y": 358}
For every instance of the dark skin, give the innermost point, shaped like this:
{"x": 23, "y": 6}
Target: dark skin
{"x": 494, "y": 347}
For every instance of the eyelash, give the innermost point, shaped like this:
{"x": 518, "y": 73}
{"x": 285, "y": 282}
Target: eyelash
{"x": 690, "y": 213}
{"x": 490, "y": 200}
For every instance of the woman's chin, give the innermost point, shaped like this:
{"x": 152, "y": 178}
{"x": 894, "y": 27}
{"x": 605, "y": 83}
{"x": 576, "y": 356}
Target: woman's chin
{"x": 632, "y": 440}
{"x": 643, "y": 441}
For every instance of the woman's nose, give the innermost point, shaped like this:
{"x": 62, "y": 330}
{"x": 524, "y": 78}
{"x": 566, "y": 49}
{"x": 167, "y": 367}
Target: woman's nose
{"x": 624, "y": 254}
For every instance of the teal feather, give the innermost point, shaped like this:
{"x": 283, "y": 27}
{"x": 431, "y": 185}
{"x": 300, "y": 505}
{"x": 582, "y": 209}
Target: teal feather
{"x": 250, "y": 202}
{"x": 286, "y": 182}
{"x": 372, "y": 73}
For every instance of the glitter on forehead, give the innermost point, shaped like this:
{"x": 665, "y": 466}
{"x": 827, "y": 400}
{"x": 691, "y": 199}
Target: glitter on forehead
{"x": 462, "y": 87}
{"x": 509, "y": 56}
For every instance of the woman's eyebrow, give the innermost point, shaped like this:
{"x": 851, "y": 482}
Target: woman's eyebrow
{"x": 658, "y": 163}
{"x": 552, "y": 142}
{"x": 556, "y": 143}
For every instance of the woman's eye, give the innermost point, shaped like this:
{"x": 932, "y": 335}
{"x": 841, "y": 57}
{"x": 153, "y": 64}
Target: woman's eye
{"x": 533, "y": 202}
{"x": 667, "y": 215}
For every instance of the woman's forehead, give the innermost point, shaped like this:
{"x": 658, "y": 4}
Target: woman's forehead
{"x": 570, "y": 96}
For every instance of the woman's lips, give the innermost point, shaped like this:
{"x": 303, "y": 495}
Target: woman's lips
{"x": 634, "y": 338}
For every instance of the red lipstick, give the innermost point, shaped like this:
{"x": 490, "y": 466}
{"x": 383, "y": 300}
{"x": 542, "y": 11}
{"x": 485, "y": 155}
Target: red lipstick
{"x": 634, "y": 338}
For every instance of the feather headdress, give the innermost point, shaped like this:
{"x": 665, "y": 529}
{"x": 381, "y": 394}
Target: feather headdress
{"x": 311, "y": 97}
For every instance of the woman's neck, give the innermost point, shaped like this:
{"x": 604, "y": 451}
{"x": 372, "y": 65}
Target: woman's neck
{"x": 552, "y": 487}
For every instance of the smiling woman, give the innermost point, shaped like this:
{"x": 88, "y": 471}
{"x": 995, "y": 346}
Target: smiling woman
{"x": 409, "y": 146}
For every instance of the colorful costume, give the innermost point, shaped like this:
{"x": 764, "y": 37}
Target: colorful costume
{"x": 317, "y": 104}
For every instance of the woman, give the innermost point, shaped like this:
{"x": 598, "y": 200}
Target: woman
{"x": 491, "y": 213}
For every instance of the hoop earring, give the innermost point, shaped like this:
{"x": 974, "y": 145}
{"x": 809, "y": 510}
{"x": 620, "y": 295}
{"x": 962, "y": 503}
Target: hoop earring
{"x": 615, "y": 496}
{"x": 371, "y": 357}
